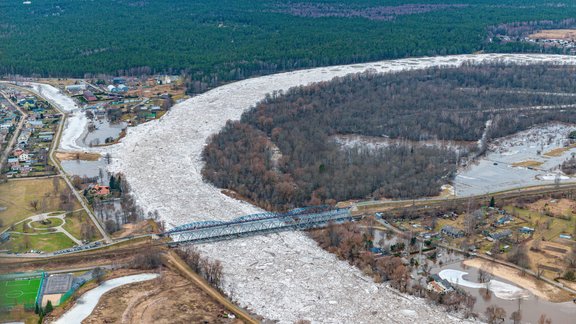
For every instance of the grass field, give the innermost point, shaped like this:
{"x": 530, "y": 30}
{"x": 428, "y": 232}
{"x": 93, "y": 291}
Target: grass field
{"x": 16, "y": 197}
{"x": 43, "y": 242}
{"x": 19, "y": 292}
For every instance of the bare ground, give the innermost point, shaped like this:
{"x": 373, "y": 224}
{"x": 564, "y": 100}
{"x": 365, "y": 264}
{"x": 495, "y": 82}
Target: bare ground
{"x": 154, "y": 302}
{"x": 565, "y": 34}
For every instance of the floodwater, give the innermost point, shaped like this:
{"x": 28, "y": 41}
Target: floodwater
{"x": 531, "y": 306}
{"x": 87, "y": 302}
{"x": 496, "y": 170}
{"x": 104, "y": 129}
{"x": 88, "y": 169}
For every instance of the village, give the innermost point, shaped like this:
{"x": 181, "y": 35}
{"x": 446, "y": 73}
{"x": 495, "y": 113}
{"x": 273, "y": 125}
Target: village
{"x": 28, "y": 157}
{"x": 41, "y": 213}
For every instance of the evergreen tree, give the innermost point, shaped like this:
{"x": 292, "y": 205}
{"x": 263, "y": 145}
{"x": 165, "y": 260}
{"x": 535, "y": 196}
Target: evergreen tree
{"x": 112, "y": 183}
{"x": 48, "y": 308}
{"x": 492, "y": 202}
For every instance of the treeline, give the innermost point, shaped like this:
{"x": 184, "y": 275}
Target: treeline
{"x": 282, "y": 154}
{"x": 218, "y": 41}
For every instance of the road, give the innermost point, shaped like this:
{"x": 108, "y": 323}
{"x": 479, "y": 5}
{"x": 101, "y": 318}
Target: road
{"x": 16, "y": 133}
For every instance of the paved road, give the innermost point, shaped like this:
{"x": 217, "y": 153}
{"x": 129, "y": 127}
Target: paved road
{"x": 16, "y": 133}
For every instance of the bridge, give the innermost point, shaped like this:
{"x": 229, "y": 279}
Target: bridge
{"x": 258, "y": 224}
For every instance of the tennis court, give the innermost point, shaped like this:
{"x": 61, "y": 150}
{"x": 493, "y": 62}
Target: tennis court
{"x": 21, "y": 291}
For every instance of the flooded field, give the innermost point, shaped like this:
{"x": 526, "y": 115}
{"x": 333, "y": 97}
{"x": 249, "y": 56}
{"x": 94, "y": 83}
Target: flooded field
{"x": 501, "y": 169}
{"x": 103, "y": 130}
{"x": 89, "y": 169}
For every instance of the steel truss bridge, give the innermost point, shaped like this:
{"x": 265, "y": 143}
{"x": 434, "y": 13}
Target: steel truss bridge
{"x": 258, "y": 224}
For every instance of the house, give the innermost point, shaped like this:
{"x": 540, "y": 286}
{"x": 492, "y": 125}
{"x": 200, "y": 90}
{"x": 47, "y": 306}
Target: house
{"x": 439, "y": 285}
{"x": 75, "y": 88}
{"x": 99, "y": 190}
{"x": 500, "y": 235}
{"x": 452, "y": 231}
{"x": 4, "y": 236}
{"x": 526, "y": 230}
{"x": 24, "y": 157}
{"x": 118, "y": 81}
{"x": 122, "y": 88}
{"x": 89, "y": 96}
{"x": 504, "y": 220}
{"x": 36, "y": 123}
{"x": 111, "y": 88}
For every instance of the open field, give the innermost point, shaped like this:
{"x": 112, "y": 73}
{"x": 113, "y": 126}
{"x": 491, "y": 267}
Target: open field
{"x": 565, "y": 34}
{"x": 84, "y": 156}
{"x": 43, "y": 242}
{"x": 17, "y": 195}
{"x": 528, "y": 163}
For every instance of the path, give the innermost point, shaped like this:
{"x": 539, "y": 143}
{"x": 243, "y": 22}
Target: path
{"x": 49, "y": 230}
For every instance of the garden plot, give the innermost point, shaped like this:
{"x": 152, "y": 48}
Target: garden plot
{"x": 286, "y": 276}
{"x": 527, "y": 158}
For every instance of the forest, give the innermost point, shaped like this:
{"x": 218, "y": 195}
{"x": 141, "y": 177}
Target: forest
{"x": 283, "y": 153}
{"x": 213, "y": 42}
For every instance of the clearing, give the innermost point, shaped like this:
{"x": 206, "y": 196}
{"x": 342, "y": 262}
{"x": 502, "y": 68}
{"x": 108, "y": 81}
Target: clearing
{"x": 152, "y": 302}
{"x": 564, "y": 34}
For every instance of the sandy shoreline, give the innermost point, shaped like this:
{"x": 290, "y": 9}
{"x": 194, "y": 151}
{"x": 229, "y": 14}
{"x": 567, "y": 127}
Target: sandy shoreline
{"x": 535, "y": 286}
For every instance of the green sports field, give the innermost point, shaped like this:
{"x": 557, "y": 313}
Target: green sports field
{"x": 19, "y": 292}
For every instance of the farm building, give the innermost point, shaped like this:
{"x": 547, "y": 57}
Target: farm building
{"x": 500, "y": 235}
{"x": 89, "y": 96}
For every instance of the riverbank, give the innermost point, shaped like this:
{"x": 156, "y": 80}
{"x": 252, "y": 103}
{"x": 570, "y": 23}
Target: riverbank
{"x": 537, "y": 287}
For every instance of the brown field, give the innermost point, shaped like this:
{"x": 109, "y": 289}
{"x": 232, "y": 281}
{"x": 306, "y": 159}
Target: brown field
{"x": 558, "y": 151}
{"x": 153, "y": 302}
{"x": 174, "y": 89}
{"x": 527, "y": 164}
{"x": 565, "y": 34}
{"x": 85, "y": 156}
